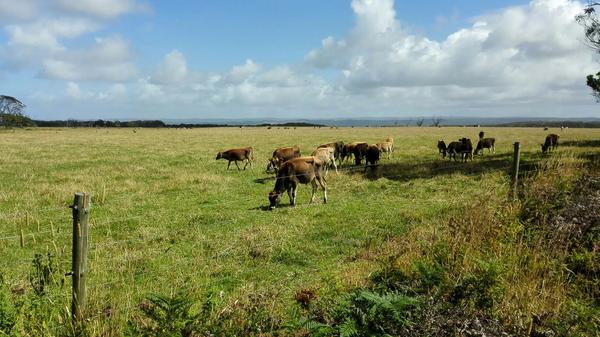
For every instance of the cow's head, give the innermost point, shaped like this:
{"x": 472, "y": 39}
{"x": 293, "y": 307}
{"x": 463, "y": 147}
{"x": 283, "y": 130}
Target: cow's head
{"x": 273, "y": 164}
{"x": 274, "y": 198}
{"x": 219, "y": 155}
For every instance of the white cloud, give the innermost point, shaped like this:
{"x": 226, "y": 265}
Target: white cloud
{"x": 530, "y": 49}
{"x": 173, "y": 68}
{"x": 241, "y": 73}
{"x": 109, "y": 59}
{"x": 102, "y": 8}
{"x": 17, "y": 10}
{"x": 45, "y": 34}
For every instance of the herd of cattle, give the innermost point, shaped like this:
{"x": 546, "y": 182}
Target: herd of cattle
{"x": 291, "y": 168}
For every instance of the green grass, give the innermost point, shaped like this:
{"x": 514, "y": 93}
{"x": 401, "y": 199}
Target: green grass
{"x": 167, "y": 216}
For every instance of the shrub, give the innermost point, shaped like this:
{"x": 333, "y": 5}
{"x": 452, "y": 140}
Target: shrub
{"x": 165, "y": 316}
{"x": 366, "y": 313}
{"x": 480, "y": 289}
{"x": 42, "y": 273}
{"x": 8, "y": 313}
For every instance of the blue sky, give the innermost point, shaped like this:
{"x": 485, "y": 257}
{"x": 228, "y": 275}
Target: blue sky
{"x": 232, "y": 59}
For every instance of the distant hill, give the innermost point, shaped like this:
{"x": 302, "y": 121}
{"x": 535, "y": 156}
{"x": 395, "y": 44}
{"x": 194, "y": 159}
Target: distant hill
{"x": 342, "y": 122}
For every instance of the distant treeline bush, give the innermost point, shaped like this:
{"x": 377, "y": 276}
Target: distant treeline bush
{"x": 552, "y": 124}
{"x": 155, "y": 124}
{"x": 101, "y": 123}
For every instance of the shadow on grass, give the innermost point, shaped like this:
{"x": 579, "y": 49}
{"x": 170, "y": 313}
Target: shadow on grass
{"x": 406, "y": 171}
{"x": 266, "y": 207}
{"x": 264, "y": 180}
{"x": 581, "y": 143}
{"x": 260, "y": 208}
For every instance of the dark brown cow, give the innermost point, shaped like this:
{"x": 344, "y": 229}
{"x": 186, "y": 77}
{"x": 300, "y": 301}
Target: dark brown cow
{"x": 442, "y": 149}
{"x": 453, "y": 149}
{"x": 360, "y": 150}
{"x": 372, "y": 157}
{"x": 235, "y": 155}
{"x": 486, "y": 143}
{"x": 551, "y": 143}
{"x": 348, "y": 149}
{"x": 303, "y": 170}
{"x": 464, "y": 147}
{"x": 281, "y": 155}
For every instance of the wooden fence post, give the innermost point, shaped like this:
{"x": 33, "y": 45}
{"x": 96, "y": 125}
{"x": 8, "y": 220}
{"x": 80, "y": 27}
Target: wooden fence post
{"x": 81, "y": 207}
{"x": 515, "y": 169}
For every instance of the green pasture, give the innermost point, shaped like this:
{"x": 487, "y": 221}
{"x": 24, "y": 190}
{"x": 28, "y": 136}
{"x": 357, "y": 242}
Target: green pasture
{"x": 167, "y": 216}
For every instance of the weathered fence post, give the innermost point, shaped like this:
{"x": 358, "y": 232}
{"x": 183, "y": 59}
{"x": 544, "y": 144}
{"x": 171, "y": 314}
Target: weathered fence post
{"x": 515, "y": 169}
{"x": 81, "y": 207}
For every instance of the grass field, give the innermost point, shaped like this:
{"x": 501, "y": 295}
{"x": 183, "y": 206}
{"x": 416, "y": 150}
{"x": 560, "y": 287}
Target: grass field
{"x": 166, "y": 216}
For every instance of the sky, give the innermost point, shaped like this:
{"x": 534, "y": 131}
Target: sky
{"x": 201, "y": 59}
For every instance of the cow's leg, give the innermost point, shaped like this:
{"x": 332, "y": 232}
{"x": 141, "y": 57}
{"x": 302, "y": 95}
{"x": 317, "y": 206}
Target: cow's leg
{"x": 335, "y": 167}
{"x": 247, "y": 162}
{"x": 313, "y": 183}
{"x": 228, "y": 164}
{"x": 289, "y": 192}
{"x": 294, "y": 194}
{"x": 323, "y": 184}
{"x": 236, "y": 164}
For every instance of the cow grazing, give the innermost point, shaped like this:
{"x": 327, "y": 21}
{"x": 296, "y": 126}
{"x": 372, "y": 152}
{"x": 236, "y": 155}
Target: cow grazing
{"x": 442, "y": 149}
{"x": 303, "y": 170}
{"x": 281, "y": 155}
{"x": 386, "y": 147}
{"x": 338, "y": 148}
{"x": 327, "y": 156}
{"x": 453, "y": 149}
{"x": 348, "y": 149}
{"x": 372, "y": 157}
{"x": 486, "y": 143}
{"x": 551, "y": 143}
{"x": 464, "y": 147}
{"x": 360, "y": 150}
{"x": 235, "y": 155}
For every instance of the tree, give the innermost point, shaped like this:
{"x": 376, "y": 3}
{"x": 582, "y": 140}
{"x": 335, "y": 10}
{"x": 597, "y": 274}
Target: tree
{"x": 420, "y": 121}
{"x": 11, "y": 105}
{"x": 590, "y": 20}
{"x": 11, "y": 112}
{"x": 436, "y": 121}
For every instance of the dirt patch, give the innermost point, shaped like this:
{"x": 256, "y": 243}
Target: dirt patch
{"x": 581, "y": 214}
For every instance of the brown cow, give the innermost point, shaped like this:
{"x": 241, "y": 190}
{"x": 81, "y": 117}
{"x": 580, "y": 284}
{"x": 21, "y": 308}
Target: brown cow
{"x": 303, "y": 170}
{"x": 386, "y": 147}
{"x": 281, "y": 155}
{"x": 486, "y": 143}
{"x": 551, "y": 143}
{"x": 372, "y": 157}
{"x": 327, "y": 157}
{"x": 348, "y": 150}
{"x": 442, "y": 149}
{"x": 235, "y": 155}
{"x": 464, "y": 147}
{"x": 360, "y": 150}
